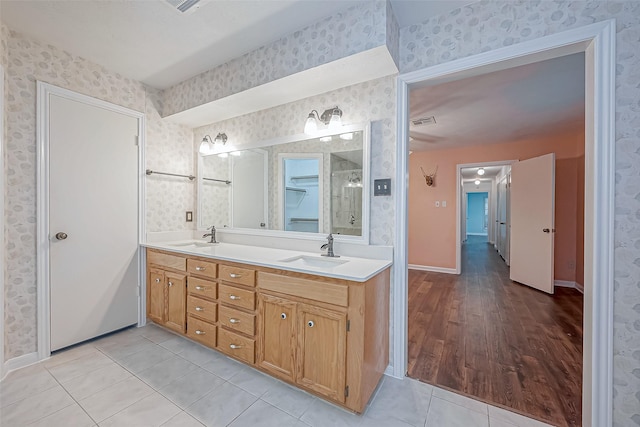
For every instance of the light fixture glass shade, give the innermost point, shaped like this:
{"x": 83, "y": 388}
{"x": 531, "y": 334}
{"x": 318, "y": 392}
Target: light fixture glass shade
{"x": 311, "y": 125}
{"x": 206, "y": 146}
{"x": 481, "y": 171}
{"x": 477, "y": 182}
{"x": 335, "y": 123}
{"x": 221, "y": 138}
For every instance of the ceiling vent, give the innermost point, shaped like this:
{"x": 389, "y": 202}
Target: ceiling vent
{"x": 184, "y": 5}
{"x": 424, "y": 121}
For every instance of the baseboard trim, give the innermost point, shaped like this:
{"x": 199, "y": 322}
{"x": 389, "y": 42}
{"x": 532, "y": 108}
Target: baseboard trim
{"x": 19, "y": 362}
{"x": 432, "y": 269}
{"x": 569, "y": 284}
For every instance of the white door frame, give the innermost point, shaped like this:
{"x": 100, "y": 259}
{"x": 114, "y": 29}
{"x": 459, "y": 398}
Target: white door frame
{"x": 3, "y": 251}
{"x": 459, "y": 197}
{"x": 44, "y": 91}
{"x": 598, "y": 41}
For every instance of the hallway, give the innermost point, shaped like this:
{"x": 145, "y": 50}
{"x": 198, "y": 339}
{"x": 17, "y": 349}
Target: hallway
{"x": 482, "y": 335}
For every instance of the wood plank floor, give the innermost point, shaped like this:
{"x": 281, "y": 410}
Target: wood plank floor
{"x": 483, "y": 335}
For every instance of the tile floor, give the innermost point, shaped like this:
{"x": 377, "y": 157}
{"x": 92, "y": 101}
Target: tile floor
{"x": 151, "y": 377}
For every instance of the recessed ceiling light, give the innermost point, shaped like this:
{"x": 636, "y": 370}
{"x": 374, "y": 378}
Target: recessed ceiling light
{"x": 477, "y": 182}
{"x": 481, "y": 171}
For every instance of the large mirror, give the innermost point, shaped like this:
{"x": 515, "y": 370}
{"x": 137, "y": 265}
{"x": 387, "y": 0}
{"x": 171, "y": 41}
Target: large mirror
{"x": 293, "y": 185}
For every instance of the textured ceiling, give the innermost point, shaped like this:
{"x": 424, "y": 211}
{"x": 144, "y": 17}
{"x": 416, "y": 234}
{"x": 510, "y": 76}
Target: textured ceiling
{"x": 527, "y": 101}
{"x": 150, "y": 41}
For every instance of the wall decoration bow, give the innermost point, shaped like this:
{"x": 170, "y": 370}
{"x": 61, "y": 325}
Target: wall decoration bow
{"x": 429, "y": 178}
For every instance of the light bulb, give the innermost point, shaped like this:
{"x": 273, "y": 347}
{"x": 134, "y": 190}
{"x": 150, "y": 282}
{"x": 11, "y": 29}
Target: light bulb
{"x": 335, "y": 123}
{"x": 311, "y": 125}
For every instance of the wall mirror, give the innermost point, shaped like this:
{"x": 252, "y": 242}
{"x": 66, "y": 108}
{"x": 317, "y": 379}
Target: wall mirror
{"x": 298, "y": 184}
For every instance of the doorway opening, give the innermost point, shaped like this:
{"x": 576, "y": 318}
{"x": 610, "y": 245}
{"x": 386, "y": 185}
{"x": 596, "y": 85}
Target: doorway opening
{"x": 597, "y": 42}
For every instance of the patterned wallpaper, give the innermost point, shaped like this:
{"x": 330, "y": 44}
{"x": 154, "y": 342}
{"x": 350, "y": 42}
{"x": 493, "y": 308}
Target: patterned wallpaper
{"x": 355, "y": 30}
{"x": 490, "y": 25}
{"x": 370, "y": 101}
{"x": 169, "y": 146}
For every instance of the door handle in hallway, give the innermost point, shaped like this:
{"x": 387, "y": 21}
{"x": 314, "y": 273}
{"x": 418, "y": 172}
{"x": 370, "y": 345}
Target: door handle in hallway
{"x": 61, "y": 235}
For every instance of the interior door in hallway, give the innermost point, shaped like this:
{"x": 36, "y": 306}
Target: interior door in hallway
{"x": 93, "y": 220}
{"x": 502, "y": 220}
{"x": 532, "y": 196}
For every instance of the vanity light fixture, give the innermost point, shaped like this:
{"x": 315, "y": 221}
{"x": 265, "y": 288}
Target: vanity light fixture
{"x": 207, "y": 146}
{"x": 332, "y": 117}
{"x": 481, "y": 171}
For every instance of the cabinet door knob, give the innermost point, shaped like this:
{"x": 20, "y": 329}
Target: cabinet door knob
{"x": 200, "y": 332}
{"x": 235, "y": 275}
{"x": 170, "y": 284}
{"x": 310, "y": 323}
{"x": 234, "y": 320}
{"x": 157, "y": 280}
{"x": 200, "y": 288}
{"x": 283, "y": 315}
{"x": 234, "y": 297}
{"x": 198, "y": 268}
{"x": 199, "y": 309}
{"x": 234, "y": 346}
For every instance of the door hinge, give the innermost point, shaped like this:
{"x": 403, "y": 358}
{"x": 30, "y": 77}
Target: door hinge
{"x": 348, "y": 325}
{"x": 346, "y": 391}
{"x": 136, "y": 139}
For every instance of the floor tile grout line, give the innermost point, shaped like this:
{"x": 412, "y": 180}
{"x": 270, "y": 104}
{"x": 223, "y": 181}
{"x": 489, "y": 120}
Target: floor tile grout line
{"x": 71, "y": 396}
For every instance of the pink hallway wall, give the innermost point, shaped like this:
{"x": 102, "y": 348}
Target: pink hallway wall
{"x": 432, "y": 231}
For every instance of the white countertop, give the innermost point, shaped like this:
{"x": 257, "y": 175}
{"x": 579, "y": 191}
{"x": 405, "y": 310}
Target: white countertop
{"x": 348, "y": 268}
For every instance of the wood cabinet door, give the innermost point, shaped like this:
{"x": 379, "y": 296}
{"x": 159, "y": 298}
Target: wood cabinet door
{"x": 156, "y": 296}
{"x": 277, "y": 335}
{"x": 322, "y": 337}
{"x": 176, "y": 301}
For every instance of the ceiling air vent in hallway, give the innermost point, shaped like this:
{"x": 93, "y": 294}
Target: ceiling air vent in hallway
{"x": 184, "y": 5}
{"x": 424, "y": 121}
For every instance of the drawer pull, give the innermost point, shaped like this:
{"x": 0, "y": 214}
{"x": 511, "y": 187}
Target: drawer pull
{"x": 234, "y": 321}
{"x": 198, "y": 268}
{"x": 170, "y": 284}
{"x": 234, "y": 297}
{"x": 199, "y": 309}
{"x": 283, "y": 316}
{"x": 310, "y": 324}
{"x": 198, "y": 332}
{"x": 235, "y": 275}
{"x": 200, "y": 288}
{"x": 157, "y": 280}
{"x": 234, "y": 346}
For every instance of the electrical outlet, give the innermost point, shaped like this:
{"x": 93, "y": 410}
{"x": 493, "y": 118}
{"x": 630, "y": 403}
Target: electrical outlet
{"x": 382, "y": 187}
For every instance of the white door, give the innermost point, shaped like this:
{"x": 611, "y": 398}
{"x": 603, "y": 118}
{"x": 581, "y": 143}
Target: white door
{"x": 532, "y": 222}
{"x": 502, "y": 219}
{"x": 249, "y": 183}
{"x": 93, "y": 201}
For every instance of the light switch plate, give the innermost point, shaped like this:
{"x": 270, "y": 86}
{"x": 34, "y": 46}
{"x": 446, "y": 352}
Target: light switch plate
{"x": 189, "y": 216}
{"x": 382, "y": 187}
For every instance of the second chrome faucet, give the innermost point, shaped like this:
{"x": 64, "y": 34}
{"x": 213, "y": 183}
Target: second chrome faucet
{"x": 212, "y": 234}
{"x": 329, "y": 247}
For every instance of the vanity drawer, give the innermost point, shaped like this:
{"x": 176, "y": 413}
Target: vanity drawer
{"x": 201, "y": 331}
{"x": 166, "y": 260}
{"x": 202, "y": 288}
{"x": 242, "y": 298}
{"x": 331, "y": 293}
{"x": 237, "y": 346}
{"x": 237, "y": 320}
{"x": 204, "y": 309}
{"x": 201, "y": 268}
{"x": 241, "y": 276}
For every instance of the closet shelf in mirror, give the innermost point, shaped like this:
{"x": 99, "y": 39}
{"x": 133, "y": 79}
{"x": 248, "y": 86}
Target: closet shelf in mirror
{"x": 299, "y": 190}
{"x": 303, "y": 219}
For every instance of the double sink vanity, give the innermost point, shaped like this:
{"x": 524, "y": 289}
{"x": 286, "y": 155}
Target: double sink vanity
{"x": 318, "y": 323}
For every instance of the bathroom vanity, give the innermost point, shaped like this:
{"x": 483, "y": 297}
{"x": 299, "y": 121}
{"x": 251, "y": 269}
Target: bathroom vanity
{"x": 315, "y": 322}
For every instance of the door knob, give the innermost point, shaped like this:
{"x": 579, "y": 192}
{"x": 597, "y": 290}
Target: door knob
{"x": 61, "y": 235}
{"x": 546, "y": 230}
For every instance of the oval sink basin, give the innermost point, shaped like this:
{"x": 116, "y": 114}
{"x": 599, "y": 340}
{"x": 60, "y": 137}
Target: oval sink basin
{"x": 312, "y": 261}
{"x": 191, "y": 245}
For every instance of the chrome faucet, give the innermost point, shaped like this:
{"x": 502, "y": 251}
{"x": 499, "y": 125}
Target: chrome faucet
{"x": 329, "y": 247}
{"x": 212, "y": 234}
